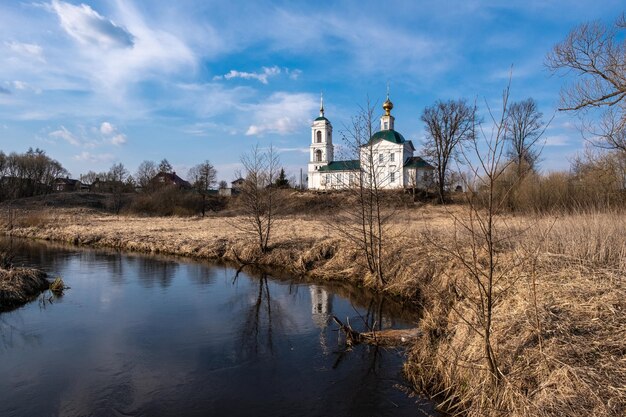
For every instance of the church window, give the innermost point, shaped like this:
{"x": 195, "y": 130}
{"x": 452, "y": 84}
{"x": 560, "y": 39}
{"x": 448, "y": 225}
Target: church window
{"x": 392, "y": 157}
{"x": 392, "y": 176}
{"x": 319, "y": 137}
{"x": 381, "y": 158}
{"x": 386, "y": 125}
{"x": 318, "y": 156}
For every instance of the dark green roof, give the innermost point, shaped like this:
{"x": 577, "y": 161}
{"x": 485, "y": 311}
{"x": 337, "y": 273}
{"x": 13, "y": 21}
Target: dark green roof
{"x": 322, "y": 118}
{"x": 389, "y": 135}
{"x": 353, "y": 165}
{"x": 417, "y": 162}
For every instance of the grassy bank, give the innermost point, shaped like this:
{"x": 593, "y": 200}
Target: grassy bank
{"x": 20, "y": 285}
{"x": 559, "y": 328}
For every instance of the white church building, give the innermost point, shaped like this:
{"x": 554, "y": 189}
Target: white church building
{"x": 386, "y": 158}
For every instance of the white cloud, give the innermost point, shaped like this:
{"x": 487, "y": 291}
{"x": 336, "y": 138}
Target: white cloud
{"x": 283, "y": 113}
{"x": 557, "y": 140}
{"x": 66, "y": 135}
{"x": 259, "y": 76}
{"x": 110, "y": 55}
{"x": 27, "y": 49}
{"x": 24, "y": 86}
{"x": 108, "y": 134}
{"x": 89, "y": 157}
{"x": 112, "y": 134}
{"x": 106, "y": 128}
{"x": 299, "y": 150}
{"x": 118, "y": 139}
{"x": 88, "y": 27}
{"x": 293, "y": 74}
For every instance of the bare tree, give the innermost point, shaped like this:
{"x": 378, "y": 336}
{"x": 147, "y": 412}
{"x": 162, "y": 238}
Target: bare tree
{"x": 479, "y": 233}
{"x": 91, "y": 177}
{"x": 448, "y": 124}
{"x": 523, "y": 129}
{"x": 203, "y": 177}
{"x": 223, "y": 185}
{"x": 165, "y": 166}
{"x": 596, "y": 54}
{"x": 260, "y": 201}
{"x": 364, "y": 218}
{"x": 146, "y": 171}
{"x": 117, "y": 177}
{"x": 28, "y": 174}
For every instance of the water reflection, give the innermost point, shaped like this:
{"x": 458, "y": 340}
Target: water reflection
{"x": 13, "y": 336}
{"x": 210, "y": 341}
{"x": 153, "y": 272}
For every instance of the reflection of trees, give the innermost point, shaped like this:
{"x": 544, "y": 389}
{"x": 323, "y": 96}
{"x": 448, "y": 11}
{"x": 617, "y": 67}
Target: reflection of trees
{"x": 262, "y": 318}
{"x": 151, "y": 271}
{"x": 200, "y": 274}
{"x": 12, "y": 336}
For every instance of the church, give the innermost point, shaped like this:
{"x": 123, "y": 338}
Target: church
{"x": 385, "y": 161}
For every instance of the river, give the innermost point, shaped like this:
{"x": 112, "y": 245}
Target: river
{"x": 139, "y": 335}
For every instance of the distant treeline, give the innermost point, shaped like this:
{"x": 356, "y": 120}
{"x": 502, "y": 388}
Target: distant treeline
{"x": 28, "y": 174}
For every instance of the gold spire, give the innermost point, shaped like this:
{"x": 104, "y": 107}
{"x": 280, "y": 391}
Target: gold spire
{"x": 387, "y": 105}
{"x": 321, "y": 104}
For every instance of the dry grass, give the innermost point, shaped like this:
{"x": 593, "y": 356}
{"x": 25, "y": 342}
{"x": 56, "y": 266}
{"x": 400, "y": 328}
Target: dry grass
{"x": 20, "y": 285}
{"x": 564, "y": 355}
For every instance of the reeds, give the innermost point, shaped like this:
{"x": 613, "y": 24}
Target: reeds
{"x": 20, "y": 285}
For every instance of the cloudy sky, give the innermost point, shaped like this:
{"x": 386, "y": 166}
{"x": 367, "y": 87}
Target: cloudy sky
{"x": 98, "y": 82}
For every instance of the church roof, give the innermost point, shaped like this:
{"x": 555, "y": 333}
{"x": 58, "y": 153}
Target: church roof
{"x": 417, "y": 162}
{"x": 389, "y": 135}
{"x": 321, "y": 118}
{"x": 351, "y": 165}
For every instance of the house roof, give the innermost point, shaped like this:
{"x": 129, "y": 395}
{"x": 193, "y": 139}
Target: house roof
{"x": 417, "y": 162}
{"x": 173, "y": 178}
{"x": 351, "y": 165}
{"x": 237, "y": 180}
{"x": 67, "y": 181}
{"x": 389, "y": 135}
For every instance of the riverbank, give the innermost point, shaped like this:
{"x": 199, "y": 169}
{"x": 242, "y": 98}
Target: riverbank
{"x": 559, "y": 328}
{"x": 20, "y": 285}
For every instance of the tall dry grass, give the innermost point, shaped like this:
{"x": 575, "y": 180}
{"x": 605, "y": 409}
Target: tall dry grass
{"x": 560, "y": 322}
{"x": 20, "y": 285}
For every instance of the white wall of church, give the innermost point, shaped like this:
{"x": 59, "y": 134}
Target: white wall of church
{"x": 385, "y": 160}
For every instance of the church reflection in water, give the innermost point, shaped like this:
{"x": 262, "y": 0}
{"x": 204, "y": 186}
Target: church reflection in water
{"x": 321, "y": 306}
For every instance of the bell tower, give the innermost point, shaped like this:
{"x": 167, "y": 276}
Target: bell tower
{"x": 321, "y": 139}
{"x": 321, "y": 149}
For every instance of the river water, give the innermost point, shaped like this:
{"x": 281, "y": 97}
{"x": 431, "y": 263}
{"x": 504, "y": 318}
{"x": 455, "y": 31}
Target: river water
{"x": 142, "y": 335}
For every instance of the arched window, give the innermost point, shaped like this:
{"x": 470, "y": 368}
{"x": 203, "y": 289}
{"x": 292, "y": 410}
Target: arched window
{"x": 318, "y": 155}
{"x": 319, "y": 136}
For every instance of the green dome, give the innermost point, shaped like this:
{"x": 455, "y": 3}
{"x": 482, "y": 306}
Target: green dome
{"x": 388, "y": 135}
{"x": 322, "y": 118}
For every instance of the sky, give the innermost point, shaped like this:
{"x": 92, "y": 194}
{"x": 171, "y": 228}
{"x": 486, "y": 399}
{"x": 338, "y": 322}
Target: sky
{"x": 95, "y": 83}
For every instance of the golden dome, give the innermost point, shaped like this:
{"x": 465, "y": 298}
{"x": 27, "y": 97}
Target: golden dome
{"x": 387, "y": 106}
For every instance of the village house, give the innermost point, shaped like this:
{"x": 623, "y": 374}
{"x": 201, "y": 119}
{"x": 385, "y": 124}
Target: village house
{"x": 237, "y": 184}
{"x": 169, "y": 178}
{"x": 100, "y": 186}
{"x": 67, "y": 184}
{"x": 387, "y": 156}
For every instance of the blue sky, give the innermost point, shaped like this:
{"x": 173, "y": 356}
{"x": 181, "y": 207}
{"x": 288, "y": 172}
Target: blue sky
{"x": 99, "y": 82}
